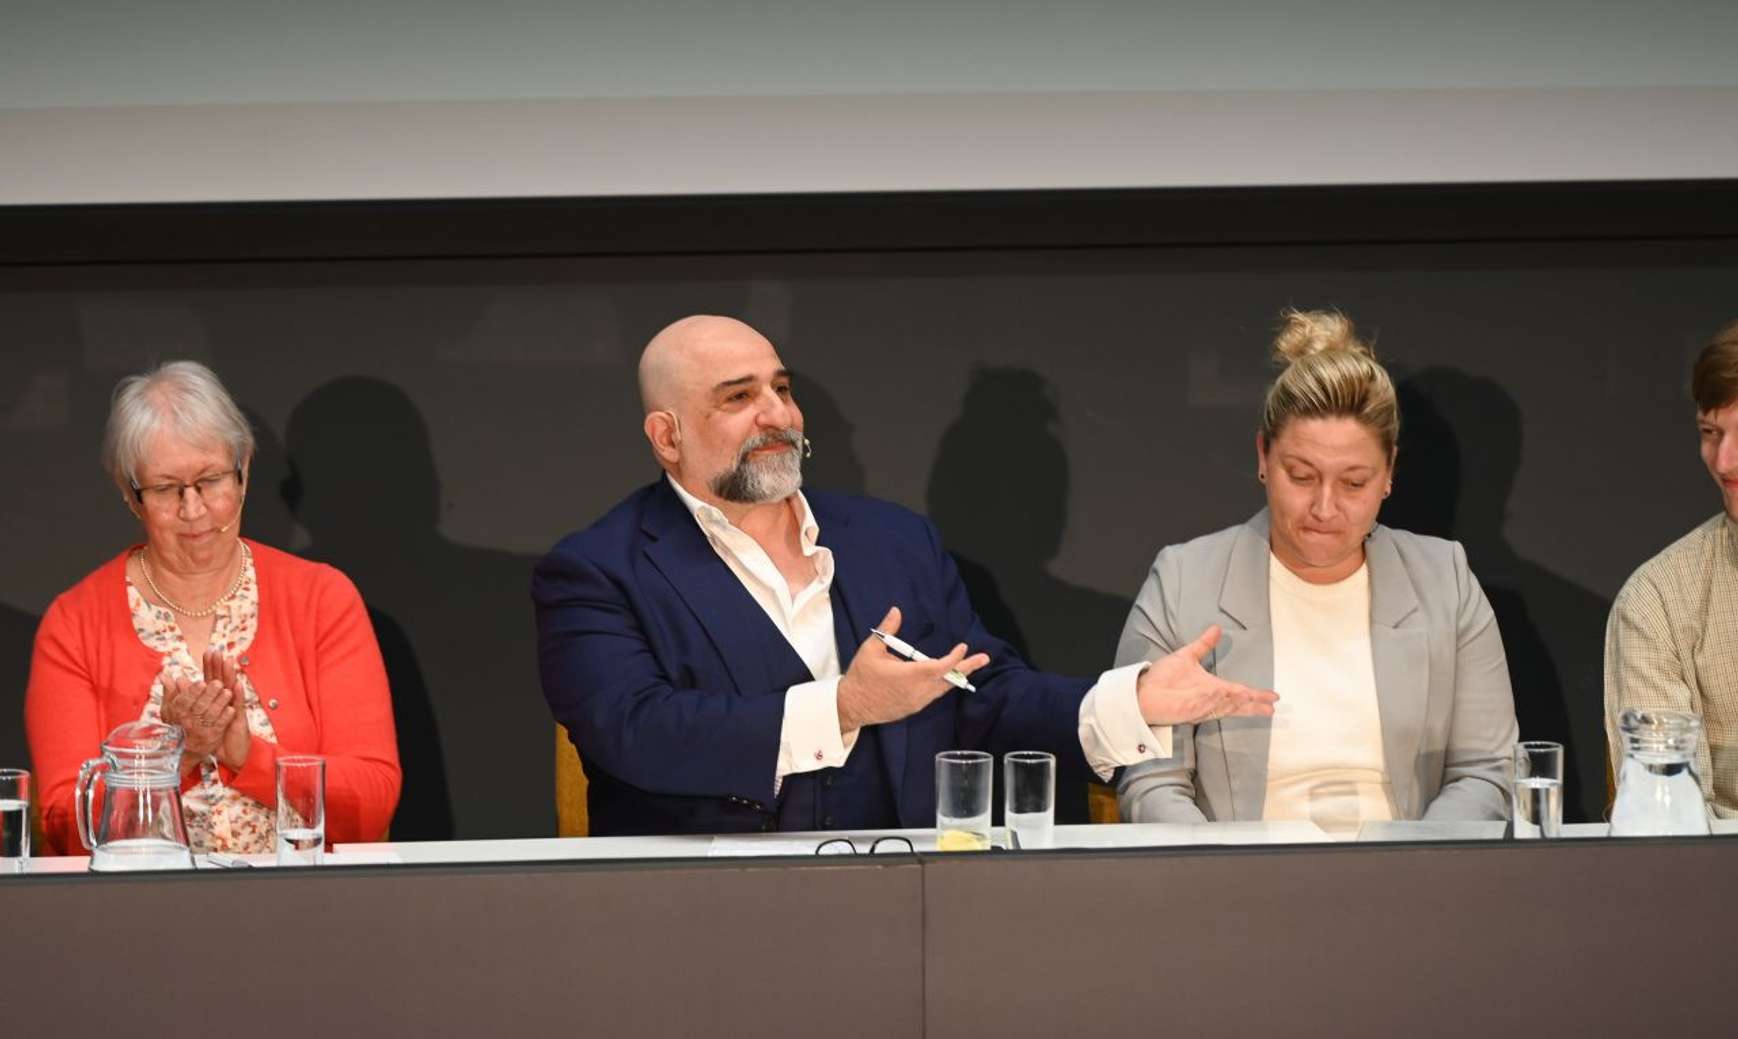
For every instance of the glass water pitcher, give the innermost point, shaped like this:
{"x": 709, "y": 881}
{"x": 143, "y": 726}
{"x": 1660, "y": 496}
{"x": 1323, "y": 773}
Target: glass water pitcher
{"x": 139, "y": 825}
{"x": 1657, "y": 793}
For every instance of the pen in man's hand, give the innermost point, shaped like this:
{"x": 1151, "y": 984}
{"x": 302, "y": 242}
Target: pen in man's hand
{"x": 910, "y": 652}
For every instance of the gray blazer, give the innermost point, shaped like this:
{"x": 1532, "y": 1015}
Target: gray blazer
{"x": 1442, "y": 683}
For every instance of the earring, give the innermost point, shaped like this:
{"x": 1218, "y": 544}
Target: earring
{"x": 1261, "y": 476}
{"x": 808, "y": 446}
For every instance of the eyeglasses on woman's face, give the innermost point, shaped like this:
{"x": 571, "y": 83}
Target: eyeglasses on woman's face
{"x": 212, "y": 488}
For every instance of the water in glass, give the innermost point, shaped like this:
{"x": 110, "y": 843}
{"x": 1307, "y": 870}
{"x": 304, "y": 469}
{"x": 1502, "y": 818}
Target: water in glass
{"x": 1032, "y": 829}
{"x": 301, "y": 847}
{"x": 962, "y": 800}
{"x": 1538, "y": 808}
{"x": 14, "y": 834}
{"x": 1029, "y": 801}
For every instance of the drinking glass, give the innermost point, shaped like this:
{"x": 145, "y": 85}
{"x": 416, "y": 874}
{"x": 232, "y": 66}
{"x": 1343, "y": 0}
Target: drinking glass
{"x": 1029, "y": 797}
{"x": 962, "y": 800}
{"x": 301, "y": 810}
{"x": 14, "y": 820}
{"x": 1538, "y": 789}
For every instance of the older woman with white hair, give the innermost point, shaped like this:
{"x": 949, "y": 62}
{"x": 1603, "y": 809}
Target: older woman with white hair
{"x": 252, "y": 651}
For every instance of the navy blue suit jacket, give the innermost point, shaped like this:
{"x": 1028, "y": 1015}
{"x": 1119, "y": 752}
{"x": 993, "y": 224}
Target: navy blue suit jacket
{"x": 671, "y": 679}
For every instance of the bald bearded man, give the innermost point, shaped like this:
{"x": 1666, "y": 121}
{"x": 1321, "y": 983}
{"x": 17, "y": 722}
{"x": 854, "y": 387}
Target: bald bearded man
{"x": 691, "y": 640}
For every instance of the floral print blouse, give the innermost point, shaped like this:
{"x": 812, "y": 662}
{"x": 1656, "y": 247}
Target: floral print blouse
{"x": 218, "y": 818}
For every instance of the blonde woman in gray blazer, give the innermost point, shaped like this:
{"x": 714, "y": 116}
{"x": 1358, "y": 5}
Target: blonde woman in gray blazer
{"x": 1425, "y": 713}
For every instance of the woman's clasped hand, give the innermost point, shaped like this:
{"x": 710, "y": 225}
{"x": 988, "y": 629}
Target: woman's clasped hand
{"x": 210, "y": 710}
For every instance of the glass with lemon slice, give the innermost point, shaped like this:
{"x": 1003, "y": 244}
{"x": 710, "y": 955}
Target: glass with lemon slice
{"x": 962, "y": 800}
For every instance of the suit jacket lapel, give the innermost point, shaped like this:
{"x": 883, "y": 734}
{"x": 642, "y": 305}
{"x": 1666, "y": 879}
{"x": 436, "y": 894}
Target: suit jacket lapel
{"x": 1245, "y": 654}
{"x": 757, "y": 656}
{"x": 1400, "y": 654}
{"x": 860, "y": 596}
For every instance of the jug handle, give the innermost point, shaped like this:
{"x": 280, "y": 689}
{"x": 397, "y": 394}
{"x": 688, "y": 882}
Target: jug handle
{"x": 82, "y": 795}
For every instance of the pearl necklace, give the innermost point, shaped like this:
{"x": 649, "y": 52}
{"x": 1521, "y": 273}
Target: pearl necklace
{"x": 145, "y": 568}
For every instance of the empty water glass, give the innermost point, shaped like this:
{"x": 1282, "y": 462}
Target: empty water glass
{"x": 1538, "y": 789}
{"x": 1029, "y": 797}
{"x": 14, "y": 820}
{"x": 962, "y": 800}
{"x": 301, "y": 810}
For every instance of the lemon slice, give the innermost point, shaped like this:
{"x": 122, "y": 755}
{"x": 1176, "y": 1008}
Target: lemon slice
{"x": 961, "y": 840}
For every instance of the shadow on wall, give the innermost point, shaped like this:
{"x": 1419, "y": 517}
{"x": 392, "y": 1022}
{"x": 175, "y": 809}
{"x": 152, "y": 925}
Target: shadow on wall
{"x": 835, "y": 465}
{"x": 454, "y": 621}
{"x": 999, "y": 494}
{"x": 424, "y": 808}
{"x": 1460, "y": 448}
{"x": 17, "y": 627}
{"x": 268, "y": 518}
{"x": 17, "y": 634}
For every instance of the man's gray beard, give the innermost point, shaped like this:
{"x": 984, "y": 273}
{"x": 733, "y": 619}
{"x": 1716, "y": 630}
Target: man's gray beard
{"x": 756, "y": 481}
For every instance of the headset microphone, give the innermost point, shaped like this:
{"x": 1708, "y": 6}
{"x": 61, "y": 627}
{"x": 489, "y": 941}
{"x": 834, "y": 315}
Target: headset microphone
{"x": 225, "y": 528}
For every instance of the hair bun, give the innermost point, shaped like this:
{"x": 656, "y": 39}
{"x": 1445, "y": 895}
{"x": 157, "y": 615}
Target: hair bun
{"x": 1306, "y": 332}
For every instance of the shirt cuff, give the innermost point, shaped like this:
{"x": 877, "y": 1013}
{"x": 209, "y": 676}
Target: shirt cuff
{"x": 809, "y": 739}
{"x": 1112, "y": 731}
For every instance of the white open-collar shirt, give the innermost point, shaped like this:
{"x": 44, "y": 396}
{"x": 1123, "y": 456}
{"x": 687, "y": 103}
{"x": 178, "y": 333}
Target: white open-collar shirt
{"x": 1112, "y": 731}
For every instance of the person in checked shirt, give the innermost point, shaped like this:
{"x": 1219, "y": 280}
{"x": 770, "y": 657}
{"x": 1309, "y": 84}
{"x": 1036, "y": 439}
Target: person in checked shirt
{"x": 1672, "y": 639}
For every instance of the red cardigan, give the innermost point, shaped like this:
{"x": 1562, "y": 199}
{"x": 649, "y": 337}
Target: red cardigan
{"x": 314, "y": 654}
